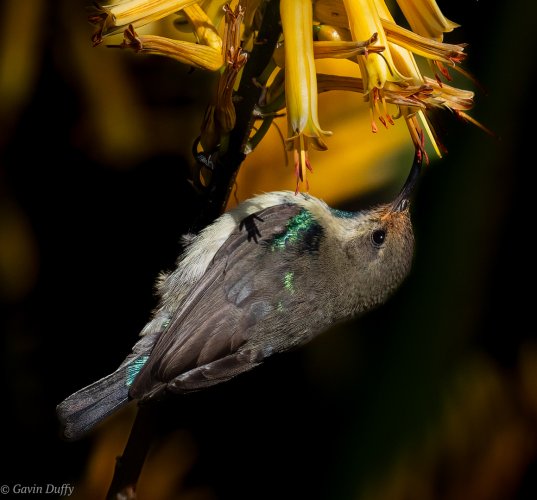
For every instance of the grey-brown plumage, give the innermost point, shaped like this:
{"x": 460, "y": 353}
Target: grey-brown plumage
{"x": 264, "y": 278}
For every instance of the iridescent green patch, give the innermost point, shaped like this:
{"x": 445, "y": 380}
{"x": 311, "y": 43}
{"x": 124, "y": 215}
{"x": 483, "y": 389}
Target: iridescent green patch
{"x": 342, "y": 214}
{"x": 294, "y": 229}
{"x": 133, "y": 369}
{"x": 288, "y": 281}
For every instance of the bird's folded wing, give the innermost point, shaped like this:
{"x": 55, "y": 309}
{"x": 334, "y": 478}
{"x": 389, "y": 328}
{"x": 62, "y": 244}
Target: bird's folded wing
{"x": 206, "y": 341}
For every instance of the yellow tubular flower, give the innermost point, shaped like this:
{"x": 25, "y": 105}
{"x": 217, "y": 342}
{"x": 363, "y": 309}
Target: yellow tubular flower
{"x": 426, "y": 18}
{"x": 333, "y": 11}
{"x": 450, "y": 97}
{"x": 412, "y": 94}
{"x": 199, "y": 56}
{"x": 413, "y": 101}
{"x": 361, "y": 31}
{"x": 213, "y": 13}
{"x": 204, "y": 29}
{"x": 300, "y": 84}
{"x": 334, "y": 48}
{"x": 415, "y": 96}
{"x": 114, "y": 18}
{"x": 363, "y": 22}
{"x": 207, "y": 54}
{"x": 410, "y": 111}
{"x": 425, "y": 47}
{"x": 403, "y": 58}
{"x": 344, "y": 49}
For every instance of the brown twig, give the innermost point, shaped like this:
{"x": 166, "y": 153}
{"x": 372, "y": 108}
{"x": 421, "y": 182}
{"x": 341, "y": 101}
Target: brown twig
{"x": 129, "y": 465}
{"x": 228, "y": 163}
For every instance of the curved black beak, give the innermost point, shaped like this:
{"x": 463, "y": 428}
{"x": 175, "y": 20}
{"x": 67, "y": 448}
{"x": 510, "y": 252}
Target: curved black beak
{"x": 402, "y": 201}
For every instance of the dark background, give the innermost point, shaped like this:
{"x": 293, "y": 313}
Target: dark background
{"x": 434, "y": 395}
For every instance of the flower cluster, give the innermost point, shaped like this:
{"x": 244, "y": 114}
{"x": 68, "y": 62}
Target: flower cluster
{"x": 362, "y": 31}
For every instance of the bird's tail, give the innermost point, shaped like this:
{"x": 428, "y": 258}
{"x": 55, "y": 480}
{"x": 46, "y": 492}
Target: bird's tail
{"x": 85, "y": 408}
{"x": 88, "y": 406}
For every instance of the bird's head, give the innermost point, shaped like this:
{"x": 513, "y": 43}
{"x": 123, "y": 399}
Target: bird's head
{"x": 381, "y": 244}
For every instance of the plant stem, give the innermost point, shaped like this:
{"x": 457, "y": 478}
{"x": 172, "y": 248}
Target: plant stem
{"x": 247, "y": 97}
{"x": 129, "y": 465}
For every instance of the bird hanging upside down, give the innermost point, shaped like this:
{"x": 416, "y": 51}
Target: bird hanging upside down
{"x": 264, "y": 278}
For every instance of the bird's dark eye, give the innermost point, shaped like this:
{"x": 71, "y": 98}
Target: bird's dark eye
{"x": 378, "y": 236}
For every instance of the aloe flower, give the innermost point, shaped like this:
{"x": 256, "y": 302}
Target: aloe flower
{"x": 304, "y": 130}
{"x": 112, "y": 19}
{"x": 364, "y": 20}
{"x": 198, "y": 56}
{"x": 426, "y": 18}
{"x": 361, "y": 31}
{"x": 403, "y": 45}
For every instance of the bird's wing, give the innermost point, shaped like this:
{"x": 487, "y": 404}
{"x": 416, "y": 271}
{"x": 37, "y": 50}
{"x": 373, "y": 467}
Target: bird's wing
{"x": 206, "y": 341}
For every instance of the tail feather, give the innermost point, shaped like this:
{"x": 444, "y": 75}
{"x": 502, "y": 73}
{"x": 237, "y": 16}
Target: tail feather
{"x": 85, "y": 408}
